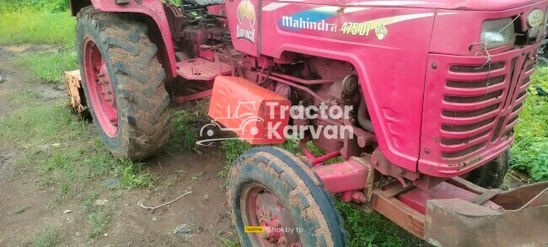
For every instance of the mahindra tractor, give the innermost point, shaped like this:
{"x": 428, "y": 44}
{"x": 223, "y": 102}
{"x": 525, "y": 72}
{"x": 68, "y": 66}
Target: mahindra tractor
{"x": 413, "y": 104}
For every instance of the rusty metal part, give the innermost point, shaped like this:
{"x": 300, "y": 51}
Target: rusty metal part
{"x": 302, "y": 81}
{"x": 75, "y": 92}
{"x": 524, "y": 222}
{"x": 485, "y": 196}
{"x": 387, "y": 168}
{"x": 526, "y": 196}
{"x": 175, "y": 19}
{"x": 461, "y": 222}
{"x": 295, "y": 85}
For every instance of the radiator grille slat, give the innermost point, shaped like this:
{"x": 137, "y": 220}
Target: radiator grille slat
{"x": 468, "y": 114}
{"x": 464, "y": 128}
{"x": 476, "y": 68}
{"x": 476, "y": 84}
{"x": 473, "y": 99}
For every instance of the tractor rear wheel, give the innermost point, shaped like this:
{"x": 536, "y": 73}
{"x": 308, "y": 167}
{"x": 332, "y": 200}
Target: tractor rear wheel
{"x": 272, "y": 188}
{"x": 492, "y": 174}
{"x": 124, "y": 83}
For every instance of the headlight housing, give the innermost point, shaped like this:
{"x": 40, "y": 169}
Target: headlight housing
{"x": 497, "y": 33}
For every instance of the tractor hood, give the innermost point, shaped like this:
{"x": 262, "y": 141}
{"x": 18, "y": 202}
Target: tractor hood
{"x": 487, "y": 5}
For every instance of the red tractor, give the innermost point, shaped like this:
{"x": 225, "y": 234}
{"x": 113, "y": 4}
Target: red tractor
{"x": 413, "y": 95}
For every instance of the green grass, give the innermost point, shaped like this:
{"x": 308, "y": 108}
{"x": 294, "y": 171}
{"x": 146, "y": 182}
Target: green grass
{"x": 62, "y": 149}
{"x": 185, "y": 132}
{"x": 49, "y": 66}
{"x": 99, "y": 216}
{"x": 36, "y": 27}
{"x": 374, "y": 229}
{"x": 67, "y": 157}
{"x": 133, "y": 175}
{"x": 47, "y": 237}
{"x": 233, "y": 149}
{"x": 530, "y": 151}
{"x": 9, "y": 6}
{"x": 99, "y": 221}
{"x": 20, "y": 209}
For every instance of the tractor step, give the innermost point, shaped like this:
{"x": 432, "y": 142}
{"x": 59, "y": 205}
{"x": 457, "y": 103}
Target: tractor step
{"x": 202, "y": 69}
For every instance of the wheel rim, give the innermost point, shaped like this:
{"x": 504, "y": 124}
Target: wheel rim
{"x": 100, "y": 88}
{"x": 261, "y": 207}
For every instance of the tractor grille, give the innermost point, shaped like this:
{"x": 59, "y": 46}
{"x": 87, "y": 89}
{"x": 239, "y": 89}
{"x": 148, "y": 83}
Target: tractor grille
{"x": 476, "y": 105}
{"x": 473, "y": 107}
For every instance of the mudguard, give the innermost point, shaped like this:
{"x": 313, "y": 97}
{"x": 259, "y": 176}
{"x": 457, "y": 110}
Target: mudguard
{"x": 151, "y": 8}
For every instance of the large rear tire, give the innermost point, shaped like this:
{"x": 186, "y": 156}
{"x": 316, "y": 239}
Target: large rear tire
{"x": 124, "y": 83}
{"x": 272, "y": 188}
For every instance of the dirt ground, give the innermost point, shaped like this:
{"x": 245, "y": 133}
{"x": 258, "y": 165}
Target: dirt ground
{"x": 204, "y": 211}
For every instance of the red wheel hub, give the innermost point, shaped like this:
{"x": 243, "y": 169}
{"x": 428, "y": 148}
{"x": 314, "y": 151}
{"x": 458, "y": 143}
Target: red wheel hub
{"x": 263, "y": 208}
{"x": 100, "y": 88}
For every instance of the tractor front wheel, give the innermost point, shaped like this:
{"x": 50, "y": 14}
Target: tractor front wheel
{"x": 491, "y": 175}
{"x": 273, "y": 189}
{"x": 124, "y": 83}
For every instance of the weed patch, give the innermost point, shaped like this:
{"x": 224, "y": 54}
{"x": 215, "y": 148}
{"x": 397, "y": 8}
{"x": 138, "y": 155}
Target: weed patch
{"x": 530, "y": 151}
{"x": 133, "y": 176}
{"x": 49, "y": 66}
{"x": 185, "y": 133}
{"x": 47, "y": 237}
{"x": 29, "y": 25}
{"x": 233, "y": 149}
{"x": 374, "y": 229}
{"x": 62, "y": 150}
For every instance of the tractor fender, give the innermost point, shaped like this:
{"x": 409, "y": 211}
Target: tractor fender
{"x": 152, "y": 9}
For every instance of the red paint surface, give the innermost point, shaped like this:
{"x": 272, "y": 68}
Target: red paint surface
{"x": 101, "y": 91}
{"x": 347, "y": 176}
{"x": 417, "y": 198}
{"x": 241, "y": 106}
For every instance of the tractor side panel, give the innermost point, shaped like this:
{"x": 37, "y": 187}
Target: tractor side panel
{"x": 387, "y": 46}
{"x": 152, "y": 8}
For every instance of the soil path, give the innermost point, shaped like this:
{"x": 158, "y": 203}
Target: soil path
{"x": 25, "y": 208}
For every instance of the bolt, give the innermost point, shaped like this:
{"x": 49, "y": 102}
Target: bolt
{"x": 434, "y": 66}
{"x": 427, "y": 150}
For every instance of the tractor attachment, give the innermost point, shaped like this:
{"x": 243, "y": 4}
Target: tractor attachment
{"x": 75, "y": 92}
{"x": 479, "y": 217}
